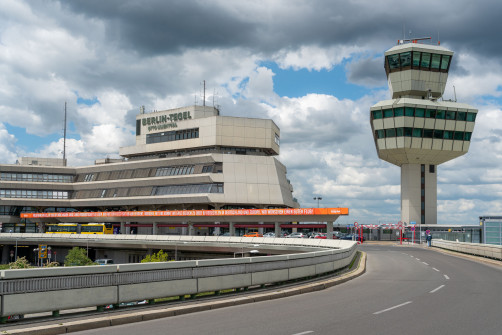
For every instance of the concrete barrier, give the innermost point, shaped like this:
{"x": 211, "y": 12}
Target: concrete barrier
{"x": 477, "y": 249}
{"x": 52, "y": 289}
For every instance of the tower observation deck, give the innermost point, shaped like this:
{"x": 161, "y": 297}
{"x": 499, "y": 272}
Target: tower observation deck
{"x": 415, "y": 130}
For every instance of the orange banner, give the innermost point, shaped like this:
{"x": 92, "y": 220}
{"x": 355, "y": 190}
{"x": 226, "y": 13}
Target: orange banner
{"x": 227, "y": 212}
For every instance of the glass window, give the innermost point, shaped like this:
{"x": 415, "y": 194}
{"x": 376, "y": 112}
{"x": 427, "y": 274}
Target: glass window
{"x": 448, "y": 135}
{"x": 467, "y": 136}
{"x": 435, "y": 61}
{"x": 438, "y": 133}
{"x": 417, "y": 132}
{"x": 409, "y": 111}
{"x": 419, "y": 112}
{"x": 426, "y": 60}
{"x": 445, "y": 60}
{"x": 399, "y": 132}
{"x": 390, "y": 132}
{"x": 459, "y": 135}
{"x": 393, "y": 61}
{"x": 380, "y": 133}
{"x": 450, "y": 115}
{"x": 461, "y": 116}
{"x": 428, "y": 133}
{"x": 416, "y": 59}
{"x": 430, "y": 113}
{"x": 405, "y": 59}
{"x": 399, "y": 111}
{"x": 471, "y": 117}
{"x": 408, "y": 131}
{"x": 387, "y": 113}
{"x": 377, "y": 114}
{"x": 440, "y": 114}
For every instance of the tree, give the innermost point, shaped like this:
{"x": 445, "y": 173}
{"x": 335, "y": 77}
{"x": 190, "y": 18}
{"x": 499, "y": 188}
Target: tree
{"x": 161, "y": 256}
{"x": 77, "y": 257}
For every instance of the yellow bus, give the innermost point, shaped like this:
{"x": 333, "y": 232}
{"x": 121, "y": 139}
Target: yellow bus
{"x": 61, "y": 228}
{"x": 96, "y": 228}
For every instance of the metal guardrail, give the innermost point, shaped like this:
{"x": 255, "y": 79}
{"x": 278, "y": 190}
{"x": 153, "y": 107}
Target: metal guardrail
{"x": 478, "y": 249}
{"x": 52, "y": 289}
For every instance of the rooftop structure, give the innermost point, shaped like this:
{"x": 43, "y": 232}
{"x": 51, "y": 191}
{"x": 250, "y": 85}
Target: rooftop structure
{"x": 417, "y": 131}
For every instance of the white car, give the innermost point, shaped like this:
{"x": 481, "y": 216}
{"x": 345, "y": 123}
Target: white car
{"x": 296, "y": 235}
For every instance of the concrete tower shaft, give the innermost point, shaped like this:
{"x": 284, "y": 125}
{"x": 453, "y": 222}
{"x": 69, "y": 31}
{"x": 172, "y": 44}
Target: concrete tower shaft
{"x": 414, "y": 130}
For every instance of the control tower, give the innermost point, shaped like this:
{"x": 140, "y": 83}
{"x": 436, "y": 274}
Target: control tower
{"x": 417, "y": 130}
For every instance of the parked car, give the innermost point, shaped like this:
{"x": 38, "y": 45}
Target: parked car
{"x": 269, "y": 234}
{"x": 104, "y": 261}
{"x": 352, "y": 237}
{"x": 320, "y": 235}
{"x": 253, "y": 234}
{"x": 296, "y": 235}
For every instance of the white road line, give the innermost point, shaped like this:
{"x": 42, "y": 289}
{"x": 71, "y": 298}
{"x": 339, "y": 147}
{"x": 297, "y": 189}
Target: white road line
{"x": 425, "y": 263}
{"x": 391, "y": 308}
{"x": 437, "y": 289}
{"x": 435, "y": 269}
{"x": 307, "y": 332}
{"x": 418, "y": 259}
{"x": 446, "y": 277}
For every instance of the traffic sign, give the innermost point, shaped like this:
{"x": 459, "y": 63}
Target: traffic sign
{"x": 42, "y": 251}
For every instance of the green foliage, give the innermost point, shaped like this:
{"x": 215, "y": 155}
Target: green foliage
{"x": 77, "y": 257}
{"x": 160, "y": 256}
{"x": 20, "y": 263}
{"x": 51, "y": 264}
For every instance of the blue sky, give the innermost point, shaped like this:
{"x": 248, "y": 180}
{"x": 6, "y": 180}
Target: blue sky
{"x": 314, "y": 67}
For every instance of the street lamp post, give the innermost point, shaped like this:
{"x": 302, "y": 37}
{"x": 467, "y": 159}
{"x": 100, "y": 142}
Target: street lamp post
{"x": 317, "y": 198}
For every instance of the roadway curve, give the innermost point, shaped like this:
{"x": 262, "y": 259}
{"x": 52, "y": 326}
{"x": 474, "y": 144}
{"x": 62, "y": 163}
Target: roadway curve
{"x": 405, "y": 290}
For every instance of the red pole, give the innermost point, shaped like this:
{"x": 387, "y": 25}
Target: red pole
{"x": 401, "y": 238}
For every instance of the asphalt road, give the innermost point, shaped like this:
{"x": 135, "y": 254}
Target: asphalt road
{"x": 406, "y": 290}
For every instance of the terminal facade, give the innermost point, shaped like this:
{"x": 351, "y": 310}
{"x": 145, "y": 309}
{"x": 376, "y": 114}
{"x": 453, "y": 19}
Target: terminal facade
{"x": 416, "y": 129}
{"x": 189, "y": 158}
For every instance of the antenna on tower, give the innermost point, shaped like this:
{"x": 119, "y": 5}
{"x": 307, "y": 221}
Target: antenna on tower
{"x": 204, "y": 96}
{"x": 454, "y": 93}
{"x": 64, "y": 136}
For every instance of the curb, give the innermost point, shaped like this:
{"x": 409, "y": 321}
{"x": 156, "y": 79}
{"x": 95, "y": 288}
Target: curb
{"x": 146, "y": 315}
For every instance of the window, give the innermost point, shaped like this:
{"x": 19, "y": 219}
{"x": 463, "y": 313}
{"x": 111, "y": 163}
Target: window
{"x": 380, "y": 133}
{"x": 390, "y": 132}
{"x": 426, "y": 60}
{"x": 407, "y": 131}
{"x": 450, "y": 115}
{"x": 387, "y": 113}
{"x": 409, "y": 111}
{"x": 448, "y": 135}
{"x": 399, "y": 132}
{"x": 467, "y": 136}
{"x": 393, "y": 61}
{"x": 431, "y": 168}
{"x": 428, "y": 133}
{"x": 435, "y": 61}
{"x": 398, "y": 111}
{"x": 440, "y": 114}
{"x": 419, "y": 112}
{"x": 461, "y": 116}
{"x": 416, "y": 59}
{"x": 459, "y": 136}
{"x": 405, "y": 59}
{"x": 471, "y": 117}
{"x": 377, "y": 114}
{"x": 430, "y": 113}
{"x": 445, "y": 61}
{"x": 438, "y": 133}
{"x": 417, "y": 132}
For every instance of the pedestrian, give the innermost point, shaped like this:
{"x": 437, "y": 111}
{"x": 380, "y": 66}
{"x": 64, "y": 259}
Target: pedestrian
{"x": 429, "y": 240}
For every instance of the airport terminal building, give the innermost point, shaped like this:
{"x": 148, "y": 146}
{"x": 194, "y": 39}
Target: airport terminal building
{"x": 184, "y": 158}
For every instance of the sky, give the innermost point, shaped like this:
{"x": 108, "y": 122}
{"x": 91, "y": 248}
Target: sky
{"x": 314, "y": 67}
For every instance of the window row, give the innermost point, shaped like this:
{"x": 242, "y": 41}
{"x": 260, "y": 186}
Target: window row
{"x": 188, "y": 189}
{"x": 175, "y": 170}
{"x": 36, "y": 194}
{"x": 422, "y": 112}
{"x": 417, "y": 60}
{"x": 424, "y": 133}
{"x": 169, "y": 136}
{"x": 36, "y": 177}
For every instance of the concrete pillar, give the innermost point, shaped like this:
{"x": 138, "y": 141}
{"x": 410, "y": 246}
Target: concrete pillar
{"x": 277, "y": 229}
{"x": 191, "y": 229}
{"x": 260, "y": 230}
{"x": 417, "y": 181}
{"x": 155, "y": 228}
{"x": 128, "y": 230}
{"x": 217, "y": 230}
{"x": 5, "y": 254}
{"x": 184, "y": 230}
{"x": 122, "y": 228}
{"x": 329, "y": 230}
{"x": 231, "y": 228}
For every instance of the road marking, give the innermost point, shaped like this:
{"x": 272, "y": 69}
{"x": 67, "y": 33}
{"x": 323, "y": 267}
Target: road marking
{"x": 437, "y": 289}
{"x": 307, "y": 332}
{"x": 425, "y": 263}
{"x": 446, "y": 277}
{"x": 391, "y": 308}
{"x": 435, "y": 269}
{"x": 418, "y": 259}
